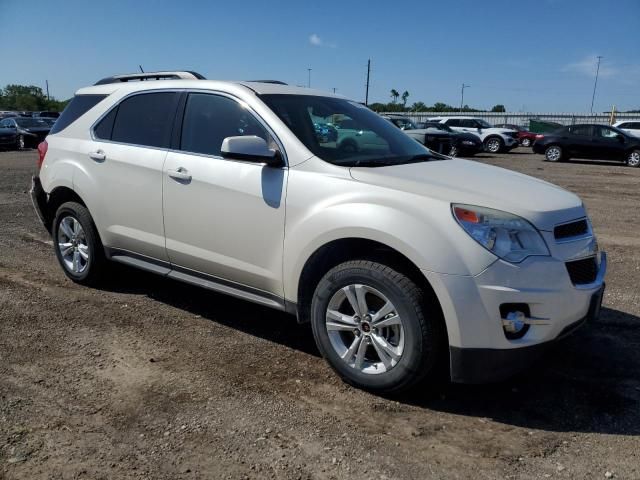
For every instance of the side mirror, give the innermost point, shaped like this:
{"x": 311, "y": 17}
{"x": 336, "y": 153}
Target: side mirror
{"x": 250, "y": 148}
{"x": 620, "y": 138}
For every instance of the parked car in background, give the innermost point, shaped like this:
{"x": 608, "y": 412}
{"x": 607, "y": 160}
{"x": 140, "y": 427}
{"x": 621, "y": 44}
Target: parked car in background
{"x": 46, "y": 114}
{"x": 525, "y": 137}
{"x": 494, "y": 139}
{"x": 589, "y": 141}
{"x": 29, "y": 131}
{"x": 632, "y": 127}
{"x": 325, "y": 132}
{"x": 434, "y": 139}
{"x": 8, "y": 135}
{"x": 7, "y": 114}
{"x": 464, "y": 144}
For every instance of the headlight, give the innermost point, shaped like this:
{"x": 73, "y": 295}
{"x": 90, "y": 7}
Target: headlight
{"x": 468, "y": 142}
{"x": 507, "y": 236}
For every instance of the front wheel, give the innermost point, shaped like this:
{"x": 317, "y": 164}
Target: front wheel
{"x": 375, "y": 327}
{"x": 526, "y": 142}
{"x": 493, "y": 145}
{"x": 553, "y": 153}
{"x": 77, "y": 244}
{"x": 633, "y": 159}
{"x": 20, "y": 143}
{"x": 454, "y": 152}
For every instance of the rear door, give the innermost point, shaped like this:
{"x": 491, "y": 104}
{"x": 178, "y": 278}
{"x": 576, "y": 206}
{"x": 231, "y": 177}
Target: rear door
{"x": 579, "y": 141}
{"x": 223, "y": 218}
{"x": 124, "y": 172}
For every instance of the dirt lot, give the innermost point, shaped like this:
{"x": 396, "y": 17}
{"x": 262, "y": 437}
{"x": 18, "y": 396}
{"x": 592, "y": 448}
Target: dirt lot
{"x": 148, "y": 378}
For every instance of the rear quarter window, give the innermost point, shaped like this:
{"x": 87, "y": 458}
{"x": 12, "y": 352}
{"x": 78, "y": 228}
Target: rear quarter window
{"x": 78, "y": 106}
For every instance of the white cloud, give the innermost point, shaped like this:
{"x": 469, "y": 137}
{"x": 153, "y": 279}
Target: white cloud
{"x": 316, "y": 41}
{"x": 587, "y": 66}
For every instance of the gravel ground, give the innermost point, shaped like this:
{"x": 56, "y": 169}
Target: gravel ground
{"x": 149, "y": 378}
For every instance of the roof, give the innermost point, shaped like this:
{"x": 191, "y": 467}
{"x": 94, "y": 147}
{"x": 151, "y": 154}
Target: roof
{"x": 260, "y": 88}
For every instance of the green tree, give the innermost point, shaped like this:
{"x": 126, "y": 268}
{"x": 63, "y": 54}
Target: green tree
{"x": 498, "y": 108}
{"x": 405, "y": 96}
{"x": 29, "y": 98}
{"x": 418, "y": 107}
{"x": 394, "y": 95}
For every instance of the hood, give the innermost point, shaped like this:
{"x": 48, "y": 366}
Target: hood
{"x": 473, "y": 183}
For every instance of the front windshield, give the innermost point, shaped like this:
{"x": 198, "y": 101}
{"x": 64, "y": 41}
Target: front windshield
{"x": 30, "y": 122}
{"x": 484, "y": 124}
{"x": 346, "y": 133}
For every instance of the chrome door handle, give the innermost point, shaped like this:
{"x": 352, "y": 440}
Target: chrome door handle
{"x": 180, "y": 173}
{"x": 98, "y": 156}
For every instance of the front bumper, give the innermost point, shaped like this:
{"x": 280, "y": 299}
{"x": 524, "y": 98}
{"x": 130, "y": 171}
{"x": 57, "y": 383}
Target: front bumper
{"x": 479, "y": 349}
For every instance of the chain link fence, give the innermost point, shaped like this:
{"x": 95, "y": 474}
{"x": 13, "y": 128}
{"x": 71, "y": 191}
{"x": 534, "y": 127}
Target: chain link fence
{"x": 523, "y": 119}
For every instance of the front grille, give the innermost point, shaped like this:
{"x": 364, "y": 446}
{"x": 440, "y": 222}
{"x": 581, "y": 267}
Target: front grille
{"x": 583, "y": 271}
{"x": 573, "y": 229}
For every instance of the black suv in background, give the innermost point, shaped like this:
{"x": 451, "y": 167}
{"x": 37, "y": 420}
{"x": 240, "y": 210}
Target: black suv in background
{"x": 589, "y": 141}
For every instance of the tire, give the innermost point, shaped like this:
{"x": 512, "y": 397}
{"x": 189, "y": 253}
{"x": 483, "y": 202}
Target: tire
{"x": 414, "y": 337}
{"x": 454, "y": 152}
{"x": 553, "y": 153}
{"x": 20, "y": 143}
{"x": 73, "y": 228}
{"x": 633, "y": 158}
{"x": 526, "y": 142}
{"x": 348, "y": 146}
{"x": 494, "y": 144}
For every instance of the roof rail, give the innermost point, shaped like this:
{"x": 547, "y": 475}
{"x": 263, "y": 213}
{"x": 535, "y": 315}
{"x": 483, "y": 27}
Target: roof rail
{"x": 277, "y": 82}
{"x": 178, "y": 75}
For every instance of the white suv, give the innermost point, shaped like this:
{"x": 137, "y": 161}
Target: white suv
{"x": 632, "y": 127}
{"x": 494, "y": 139}
{"x": 404, "y": 261}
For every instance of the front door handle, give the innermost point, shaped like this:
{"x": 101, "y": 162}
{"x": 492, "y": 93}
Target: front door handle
{"x": 98, "y": 156}
{"x": 180, "y": 173}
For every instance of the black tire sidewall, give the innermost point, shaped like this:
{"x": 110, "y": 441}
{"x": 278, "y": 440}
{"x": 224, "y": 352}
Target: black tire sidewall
{"x": 626, "y": 160}
{"x": 81, "y": 214}
{"x": 419, "y": 355}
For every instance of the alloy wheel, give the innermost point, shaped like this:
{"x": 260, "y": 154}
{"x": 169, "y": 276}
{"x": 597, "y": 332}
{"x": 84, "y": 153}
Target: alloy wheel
{"x": 634, "y": 159}
{"x": 526, "y": 142}
{"x": 72, "y": 245}
{"x": 493, "y": 145}
{"x": 553, "y": 154}
{"x": 365, "y": 329}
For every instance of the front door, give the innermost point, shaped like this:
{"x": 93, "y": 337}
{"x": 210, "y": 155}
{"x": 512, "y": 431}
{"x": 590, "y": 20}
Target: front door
{"x": 223, "y": 218}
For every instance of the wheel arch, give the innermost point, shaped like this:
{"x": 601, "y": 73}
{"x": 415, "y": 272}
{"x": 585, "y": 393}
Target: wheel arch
{"x": 337, "y": 251}
{"x": 58, "y": 196}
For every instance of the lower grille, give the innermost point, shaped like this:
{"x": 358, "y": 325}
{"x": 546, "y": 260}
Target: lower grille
{"x": 583, "y": 271}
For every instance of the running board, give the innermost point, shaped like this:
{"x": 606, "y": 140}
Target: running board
{"x": 199, "y": 279}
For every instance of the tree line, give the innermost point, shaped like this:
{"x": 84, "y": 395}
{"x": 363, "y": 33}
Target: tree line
{"x": 28, "y": 98}
{"x": 395, "y": 106}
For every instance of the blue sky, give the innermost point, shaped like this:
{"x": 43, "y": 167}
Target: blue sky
{"x": 530, "y": 56}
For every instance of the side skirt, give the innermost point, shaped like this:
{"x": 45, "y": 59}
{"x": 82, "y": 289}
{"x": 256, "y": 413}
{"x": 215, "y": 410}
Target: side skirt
{"x": 199, "y": 279}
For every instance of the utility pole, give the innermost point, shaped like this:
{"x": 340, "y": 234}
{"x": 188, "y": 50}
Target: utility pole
{"x": 47, "y": 82}
{"x": 593, "y": 97}
{"x": 462, "y": 95}
{"x": 334, "y": 89}
{"x": 366, "y": 95}
{"x": 140, "y": 67}
{"x": 309, "y": 81}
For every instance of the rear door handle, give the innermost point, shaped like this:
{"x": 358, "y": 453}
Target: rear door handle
{"x": 98, "y": 156}
{"x": 180, "y": 173}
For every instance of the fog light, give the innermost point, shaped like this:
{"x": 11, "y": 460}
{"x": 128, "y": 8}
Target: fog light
{"x": 515, "y": 322}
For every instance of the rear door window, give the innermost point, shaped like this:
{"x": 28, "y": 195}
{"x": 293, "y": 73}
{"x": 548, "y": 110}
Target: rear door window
{"x": 78, "y": 106}
{"x": 145, "y": 119}
{"x": 581, "y": 130}
{"x": 454, "y": 122}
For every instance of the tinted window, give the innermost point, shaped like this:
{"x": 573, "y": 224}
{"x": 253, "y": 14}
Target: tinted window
{"x": 605, "y": 132}
{"x": 583, "y": 130}
{"x": 454, "y": 122}
{"x": 145, "y": 119}
{"x": 467, "y": 123}
{"x": 209, "y": 119}
{"x": 78, "y": 106}
{"x": 104, "y": 129}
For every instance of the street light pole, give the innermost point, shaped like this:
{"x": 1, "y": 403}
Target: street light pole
{"x": 593, "y": 97}
{"x": 462, "y": 95}
{"x": 309, "y": 82}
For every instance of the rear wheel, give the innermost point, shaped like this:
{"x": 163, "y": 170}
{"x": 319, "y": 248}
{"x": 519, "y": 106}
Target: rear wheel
{"x": 526, "y": 142}
{"x": 493, "y": 144}
{"x": 375, "y": 328}
{"x": 633, "y": 159}
{"x": 20, "y": 144}
{"x": 454, "y": 151}
{"x": 77, "y": 244}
